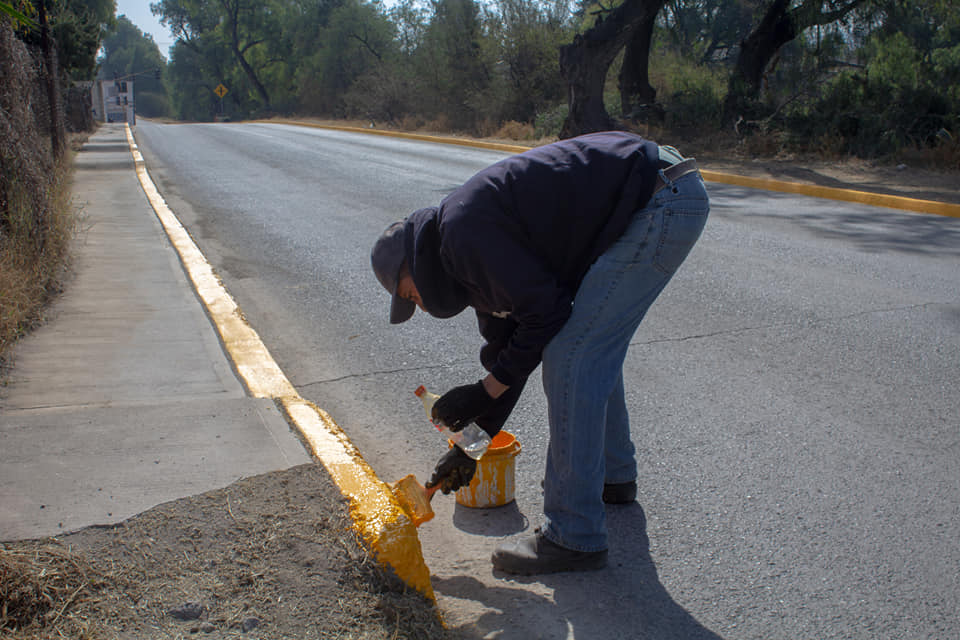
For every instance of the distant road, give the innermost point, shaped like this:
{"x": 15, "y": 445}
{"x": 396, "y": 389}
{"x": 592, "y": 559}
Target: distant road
{"x": 793, "y": 393}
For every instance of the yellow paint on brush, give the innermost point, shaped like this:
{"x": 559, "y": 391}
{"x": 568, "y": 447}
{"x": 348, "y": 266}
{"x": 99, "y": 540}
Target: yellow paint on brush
{"x": 379, "y": 519}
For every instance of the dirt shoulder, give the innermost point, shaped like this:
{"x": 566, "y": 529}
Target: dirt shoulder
{"x": 854, "y": 174}
{"x": 272, "y": 556}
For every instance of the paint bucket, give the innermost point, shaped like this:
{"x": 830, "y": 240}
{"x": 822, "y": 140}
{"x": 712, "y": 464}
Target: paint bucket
{"x": 493, "y": 484}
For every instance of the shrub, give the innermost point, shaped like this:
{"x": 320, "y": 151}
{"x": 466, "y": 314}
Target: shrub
{"x": 548, "y": 123}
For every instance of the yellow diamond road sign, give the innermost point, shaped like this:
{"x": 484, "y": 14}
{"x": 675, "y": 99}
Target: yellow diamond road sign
{"x": 220, "y": 90}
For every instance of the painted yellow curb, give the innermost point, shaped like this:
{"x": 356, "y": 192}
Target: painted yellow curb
{"x": 833, "y": 193}
{"x": 377, "y": 515}
{"x": 463, "y": 142}
{"x": 768, "y": 184}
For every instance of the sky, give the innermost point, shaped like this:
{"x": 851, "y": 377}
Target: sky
{"x": 138, "y": 12}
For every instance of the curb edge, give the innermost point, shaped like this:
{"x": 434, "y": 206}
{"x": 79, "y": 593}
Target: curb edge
{"x": 377, "y": 516}
{"x": 767, "y": 184}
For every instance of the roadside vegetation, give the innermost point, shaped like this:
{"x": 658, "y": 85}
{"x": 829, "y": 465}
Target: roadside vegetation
{"x": 39, "y": 108}
{"x": 869, "y": 78}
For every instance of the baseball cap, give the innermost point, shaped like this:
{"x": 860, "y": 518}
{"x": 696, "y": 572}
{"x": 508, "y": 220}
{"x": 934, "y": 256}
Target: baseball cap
{"x": 387, "y": 257}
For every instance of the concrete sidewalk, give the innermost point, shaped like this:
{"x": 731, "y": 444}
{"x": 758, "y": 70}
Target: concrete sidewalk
{"x": 124, "y": 399}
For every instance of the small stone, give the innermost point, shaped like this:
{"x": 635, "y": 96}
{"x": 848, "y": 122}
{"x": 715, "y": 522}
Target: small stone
{"x": 207, "y": 627}
{"x": 249, "y": 624}
{"x": 187, "y": 611}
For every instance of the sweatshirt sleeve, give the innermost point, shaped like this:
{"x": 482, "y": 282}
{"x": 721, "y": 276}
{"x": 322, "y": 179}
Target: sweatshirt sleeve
{"x": 493, "y": 263}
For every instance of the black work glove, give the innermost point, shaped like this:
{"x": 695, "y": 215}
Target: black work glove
{"x": 461, "y": 405}
{"x": 454, "y": 470}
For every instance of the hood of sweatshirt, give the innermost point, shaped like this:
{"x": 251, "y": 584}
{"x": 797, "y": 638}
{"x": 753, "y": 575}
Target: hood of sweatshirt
{"x": 442, "y": 296}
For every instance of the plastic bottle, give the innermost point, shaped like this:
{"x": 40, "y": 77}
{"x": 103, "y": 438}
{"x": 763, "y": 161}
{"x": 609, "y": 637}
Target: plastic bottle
{"x": 471, "y": 439}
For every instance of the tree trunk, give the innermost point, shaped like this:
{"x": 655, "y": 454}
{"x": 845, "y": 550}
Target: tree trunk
{"x": 636, "y": 93}
{"x": 234, "y": 11}
{"x": 780, "y": 25}
{"x": 585, "y": 62}
{"x": 585, "y": 70}
{"x": 756, "y": 51}
{"x": 51, "y": 75}
{"x": 261, "y": 90}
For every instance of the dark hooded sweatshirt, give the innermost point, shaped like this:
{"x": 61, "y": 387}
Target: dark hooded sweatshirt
{"x": 515, "y": 241}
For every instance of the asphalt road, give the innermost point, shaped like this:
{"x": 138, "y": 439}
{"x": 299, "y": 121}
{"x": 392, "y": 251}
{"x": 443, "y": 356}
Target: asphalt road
{"x": 793, "y": 393}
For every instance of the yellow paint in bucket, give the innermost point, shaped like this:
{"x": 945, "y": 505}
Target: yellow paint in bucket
{"x": 494, "y": 482}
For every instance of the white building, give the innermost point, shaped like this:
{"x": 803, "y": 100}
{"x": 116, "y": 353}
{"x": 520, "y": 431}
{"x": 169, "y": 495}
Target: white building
{"x": 114, "y": 102}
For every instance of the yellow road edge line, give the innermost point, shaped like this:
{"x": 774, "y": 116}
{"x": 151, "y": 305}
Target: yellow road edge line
{"x": 767, "y": 184}
{"x": 377, "y": 516}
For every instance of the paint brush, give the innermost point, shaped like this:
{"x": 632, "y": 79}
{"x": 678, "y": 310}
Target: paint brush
{"x": 414, "y": 498}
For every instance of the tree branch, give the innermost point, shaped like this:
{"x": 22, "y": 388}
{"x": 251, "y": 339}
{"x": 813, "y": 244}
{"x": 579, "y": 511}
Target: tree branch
{"x": 366, "y": 45}
{"x": 252, "y": 44}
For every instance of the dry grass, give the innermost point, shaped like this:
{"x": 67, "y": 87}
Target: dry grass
{"x": 34, "y": 252}
{"x": 36, "y": 218}
{"x": 279, "y": 548}
{"x": 45, "y": 591}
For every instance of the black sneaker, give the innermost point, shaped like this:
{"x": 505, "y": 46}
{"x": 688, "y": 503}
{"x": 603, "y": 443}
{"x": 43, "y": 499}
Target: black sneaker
{"x": 620, "y": 493}
{"x": 535, "y": 554}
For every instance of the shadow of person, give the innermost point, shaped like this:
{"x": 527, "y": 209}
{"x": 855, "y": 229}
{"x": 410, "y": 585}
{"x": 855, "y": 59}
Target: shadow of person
{"x": 624, "y": 600}
{"x": 490, "y": 521}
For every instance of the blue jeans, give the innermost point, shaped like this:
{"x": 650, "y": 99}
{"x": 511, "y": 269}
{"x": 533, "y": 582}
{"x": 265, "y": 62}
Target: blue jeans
{"x": 582, "y": 366}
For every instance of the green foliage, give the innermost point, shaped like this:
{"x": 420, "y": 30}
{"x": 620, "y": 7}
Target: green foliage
{"x": 691, "y": 92}
{"x": 906, "y": 94}
{"x": 18, "y": 15}
{"x": 888, "y": 75}
{"x": 451, "y": 63}
{"x": 707, "y": 30}
{"x": 130, "y": 53}
{"x": 78, "y": 27}
{"x": 526, "y": 36}
{"x": 358, "y": 42}
{"x": 550, "y": 120}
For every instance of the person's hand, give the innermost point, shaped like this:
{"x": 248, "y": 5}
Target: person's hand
{"x": 459, "y": 406}
{"x": 454, "y": 470}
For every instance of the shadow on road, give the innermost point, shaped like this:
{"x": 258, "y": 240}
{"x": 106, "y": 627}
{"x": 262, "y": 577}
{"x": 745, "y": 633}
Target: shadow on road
{"x": 873, "y": 229}
{"x": 625, "y": 600}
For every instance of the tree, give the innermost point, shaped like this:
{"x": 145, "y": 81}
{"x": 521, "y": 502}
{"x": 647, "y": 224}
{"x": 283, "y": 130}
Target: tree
{"x": 526, "y": 35}
{"x": 708, "y": 30}
{"x": 451, "y": 64}
{"x": 636, "y": 93}
{"x": 244, "y": 19}
{"x": 780, "y": 23}
{"x": 584, "y": 63}
{"x": 238, "y": 27}
{"x": 129, "y": 52}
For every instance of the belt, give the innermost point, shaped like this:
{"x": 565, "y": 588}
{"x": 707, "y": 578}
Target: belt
{"x": 675, "y": 172}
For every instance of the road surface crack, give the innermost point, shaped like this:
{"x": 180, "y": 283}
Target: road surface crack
{"x": 381, "y": 372}
{"x": 779, "y": 325}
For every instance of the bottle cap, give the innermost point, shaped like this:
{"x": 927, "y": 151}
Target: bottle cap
{"x": 420, "y": 391}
